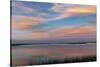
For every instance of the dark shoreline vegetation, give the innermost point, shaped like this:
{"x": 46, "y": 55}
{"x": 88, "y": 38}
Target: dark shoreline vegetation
{"x": 42, "y": 60}
{"x": 18, "y": 44}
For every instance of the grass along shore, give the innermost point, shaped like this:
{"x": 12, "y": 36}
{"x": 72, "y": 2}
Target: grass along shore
{"x": 41, "y": 60}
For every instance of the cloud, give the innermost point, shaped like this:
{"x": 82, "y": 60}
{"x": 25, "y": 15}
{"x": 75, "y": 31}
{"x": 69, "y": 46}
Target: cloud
{"x": 66, "y": 10}
{"x": 25, "y": 22}
{"x": 59, "y": 7}
{"x": 40, "y": 35}
{"x": 23, "y": 9}
{"x": 60, "y": 33}
{"x": 83, "y": 10}
{"x": 72, "y": 8}
{"x": 85, "y": 31}
{"x": 20, "y": 8}
{"x": 33, "y": 27}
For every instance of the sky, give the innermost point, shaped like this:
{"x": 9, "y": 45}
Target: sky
{"x": 52, "y": 22}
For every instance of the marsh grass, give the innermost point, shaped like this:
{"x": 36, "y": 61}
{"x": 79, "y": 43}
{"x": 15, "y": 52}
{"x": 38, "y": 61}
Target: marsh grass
{"x": 41, "y": 60}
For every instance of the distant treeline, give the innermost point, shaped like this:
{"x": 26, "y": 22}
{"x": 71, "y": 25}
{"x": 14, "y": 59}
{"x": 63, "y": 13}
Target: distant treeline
{"x": 18, "y": 44}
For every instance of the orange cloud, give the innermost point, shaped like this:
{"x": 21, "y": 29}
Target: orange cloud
{"x": 83, "y": 9}
{"x": 82, "y": 31}
{"x": 63, "y": 32}
{"x": 25, "y": 22}
{"x": 40, "y": 35}
{"x": 60, "y": 33}
{"x": 68, "y": 11}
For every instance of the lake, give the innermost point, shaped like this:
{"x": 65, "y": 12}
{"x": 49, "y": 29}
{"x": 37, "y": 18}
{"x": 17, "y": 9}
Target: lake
{"x": 35, "y": 53}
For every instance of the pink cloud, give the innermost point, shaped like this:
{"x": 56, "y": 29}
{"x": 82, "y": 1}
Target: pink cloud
{"x": 76, "y": 32}
{"x": 64, "y": 33}
{"x": 24, "y": 22}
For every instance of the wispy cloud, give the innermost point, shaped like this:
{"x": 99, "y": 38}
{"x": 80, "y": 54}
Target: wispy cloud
{"x": 19, "y": 8}
{"x": 63, "y": 33}
{"x": 25, "y": 22}
{"x": 72, "y": 10}
{"x": 52, "y": 21}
